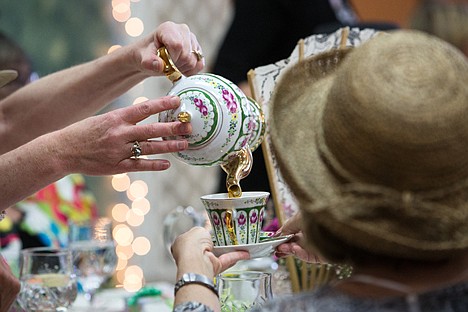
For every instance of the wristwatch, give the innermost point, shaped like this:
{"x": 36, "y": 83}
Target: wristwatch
{"x": 194, "y": 278}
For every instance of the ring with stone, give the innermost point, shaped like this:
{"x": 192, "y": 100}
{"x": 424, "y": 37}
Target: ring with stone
{"x": 136, "y": 150}
{"x": 198, "y": 54}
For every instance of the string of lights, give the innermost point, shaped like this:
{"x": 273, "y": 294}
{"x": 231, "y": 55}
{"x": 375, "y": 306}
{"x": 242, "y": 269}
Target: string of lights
{"x": 128, "y": 217}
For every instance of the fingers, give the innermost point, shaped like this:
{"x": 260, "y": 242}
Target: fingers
{"x": 141, "y": 164}
{"x": 195, "y": 61}
{"x": 296, "y": 248}
{"x": 138, "y": 112}
{"x": 180, "y": 42}
{"x": 291, "y": 226}
{"x": 175, "y": 37}
{"x": 160, "y": 130}
{"x": 162, "y": 147}
{"x": 227, "y": 260}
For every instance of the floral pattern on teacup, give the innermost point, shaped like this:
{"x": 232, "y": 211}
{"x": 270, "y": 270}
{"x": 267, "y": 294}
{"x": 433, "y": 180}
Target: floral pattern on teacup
{"x": 247, "y": 226}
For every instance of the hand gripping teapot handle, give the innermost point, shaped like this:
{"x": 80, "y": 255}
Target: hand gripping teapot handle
{"x": 170, "y": 70}
{"x": 173, "y": 73}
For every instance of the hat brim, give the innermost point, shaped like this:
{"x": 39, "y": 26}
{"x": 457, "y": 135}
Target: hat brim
{"x": 296, "y": 111}
{"x": 6, "y": 76}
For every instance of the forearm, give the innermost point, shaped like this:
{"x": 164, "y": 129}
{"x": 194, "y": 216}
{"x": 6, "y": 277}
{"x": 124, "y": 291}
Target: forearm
{"x": 24, "y": 170}
{"x": 195, "y": 292}
{"x": 67, "y": 96}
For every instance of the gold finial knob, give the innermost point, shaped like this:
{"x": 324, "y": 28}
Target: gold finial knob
{"x": 184, "y": 117}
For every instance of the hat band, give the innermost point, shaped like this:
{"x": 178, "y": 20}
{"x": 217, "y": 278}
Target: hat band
{"x": 360, "y": 197}
{"x": 346, "y": 178}
{"x": 357, "y": 203}
{"x": 390, "y": 216}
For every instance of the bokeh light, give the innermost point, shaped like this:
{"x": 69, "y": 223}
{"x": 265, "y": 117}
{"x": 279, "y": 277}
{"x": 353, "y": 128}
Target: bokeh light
{"x": 123, "y": 235}
{"x": 129, "y": 277}
{"x": 121, "y": 182}
{"x": 141, "y": 246}
{"x": 140, "y": 99}
{"x": 138, "y": 189}
{"x": 113, "y": 48}
{"x": 141, "y": 204}
{"x": 119, "y": 212}
{"x": 135, "y": 217}
{"x": 134, "y": 27}
{"x": 121, "y": 12}
{"x": 124, "y": 252}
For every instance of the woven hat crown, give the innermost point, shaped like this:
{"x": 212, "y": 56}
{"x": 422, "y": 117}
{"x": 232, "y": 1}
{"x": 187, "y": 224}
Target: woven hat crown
{"x": 396, "y": 114}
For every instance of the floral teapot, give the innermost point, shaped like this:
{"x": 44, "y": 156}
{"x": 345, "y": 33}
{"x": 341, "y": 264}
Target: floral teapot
{"x": 224, "y": 120}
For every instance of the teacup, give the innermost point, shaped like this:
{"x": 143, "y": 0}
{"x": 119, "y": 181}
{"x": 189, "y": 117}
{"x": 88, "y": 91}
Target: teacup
{"x": 237, "y": 220}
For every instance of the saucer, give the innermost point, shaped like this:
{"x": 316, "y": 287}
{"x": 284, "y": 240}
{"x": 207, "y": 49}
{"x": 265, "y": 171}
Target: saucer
{"x": 262, "y": 249}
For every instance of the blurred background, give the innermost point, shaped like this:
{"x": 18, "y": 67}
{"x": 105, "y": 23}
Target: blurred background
{"x": 58, "y": 34}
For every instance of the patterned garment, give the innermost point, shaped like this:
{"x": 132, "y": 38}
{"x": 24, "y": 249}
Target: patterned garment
{"x": 450, "y": 299}
{"x": 45, "y": 217}
{"x": 48, "y": 212}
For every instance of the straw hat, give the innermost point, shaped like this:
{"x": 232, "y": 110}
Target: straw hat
{"x": 373, "y": 141}
{"x": 7, "y": 75}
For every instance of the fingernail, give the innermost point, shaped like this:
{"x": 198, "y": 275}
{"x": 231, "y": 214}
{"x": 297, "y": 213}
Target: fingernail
{"x": 175, "y": 100}
{"x": 165, "y": 165}
{"x": 277, "y": 233}
{"x": 181, "y": 145}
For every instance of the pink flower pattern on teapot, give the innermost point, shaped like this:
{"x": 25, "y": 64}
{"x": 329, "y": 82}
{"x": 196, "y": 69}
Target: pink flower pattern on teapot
{"x": 201, "y": 107}
{"x": 230, "y": 101}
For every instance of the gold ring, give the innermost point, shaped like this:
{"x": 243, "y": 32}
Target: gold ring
{"x": 198, "y": 54}
{"x": 136, "y": 150}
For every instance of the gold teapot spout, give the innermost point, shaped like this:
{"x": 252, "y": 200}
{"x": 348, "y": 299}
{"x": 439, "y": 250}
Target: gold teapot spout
{"x": 237, "y": 168}
{"x": 170, "y": 70}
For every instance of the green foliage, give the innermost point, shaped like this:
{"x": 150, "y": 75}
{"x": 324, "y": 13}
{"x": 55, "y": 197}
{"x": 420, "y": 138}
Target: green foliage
{"x": 57, "y": 34}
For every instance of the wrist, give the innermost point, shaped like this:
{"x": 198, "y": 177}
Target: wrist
{"x": 197, "y": 279}
{"x": 59, "y": 158}
{"x": 200, "y": 265}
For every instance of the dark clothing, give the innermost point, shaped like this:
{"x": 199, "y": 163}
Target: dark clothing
{"x": 450, "y": 299}
{"x": 263, "y": 32}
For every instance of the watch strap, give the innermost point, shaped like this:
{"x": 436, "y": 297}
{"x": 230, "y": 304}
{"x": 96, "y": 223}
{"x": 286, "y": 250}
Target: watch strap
{"x": 194, "y": 278}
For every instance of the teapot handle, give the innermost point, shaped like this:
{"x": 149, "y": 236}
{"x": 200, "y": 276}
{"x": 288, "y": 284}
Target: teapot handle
{"x": 170, "y": 70}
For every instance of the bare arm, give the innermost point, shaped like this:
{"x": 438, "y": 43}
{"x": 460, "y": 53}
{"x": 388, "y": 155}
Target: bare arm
{"x": 99, "y": 145}
{"x": 62, "y": 98}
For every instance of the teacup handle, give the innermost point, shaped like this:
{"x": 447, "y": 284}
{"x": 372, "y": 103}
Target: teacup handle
{"x": 170, "y": 70}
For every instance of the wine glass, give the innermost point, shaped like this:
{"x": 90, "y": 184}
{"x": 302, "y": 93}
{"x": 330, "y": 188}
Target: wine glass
{"x": 94, "y": 256}
{"x": 243, "y": 290}
{"x": 47, "y": 279}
